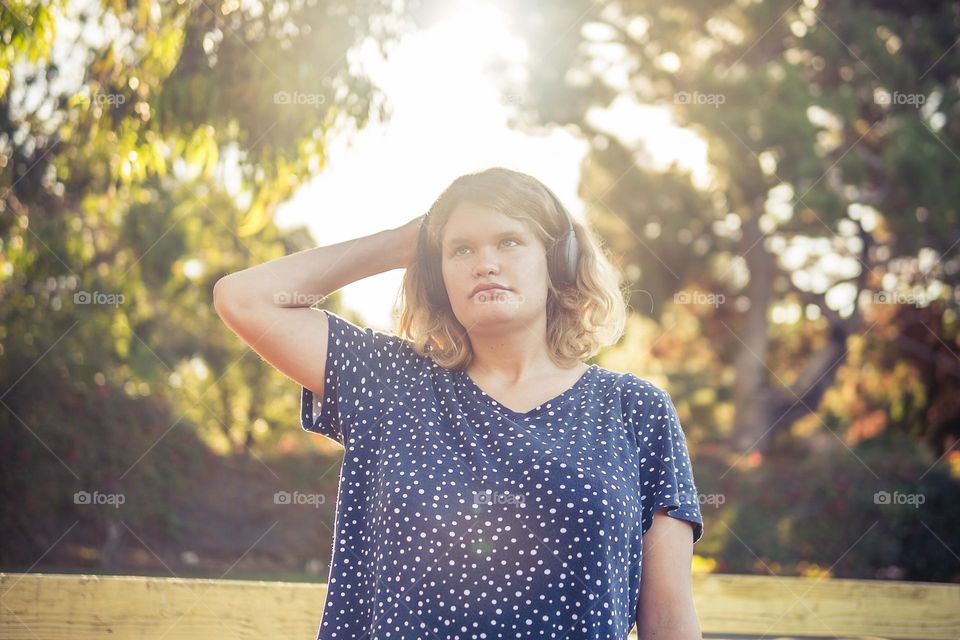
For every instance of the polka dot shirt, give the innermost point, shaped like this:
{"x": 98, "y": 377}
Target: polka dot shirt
{"x": 460, "y": 518}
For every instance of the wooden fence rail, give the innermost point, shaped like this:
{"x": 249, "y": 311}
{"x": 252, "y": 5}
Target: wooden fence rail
{"x": 55, "y": 606}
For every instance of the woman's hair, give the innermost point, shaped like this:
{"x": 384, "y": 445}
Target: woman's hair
{"x": 581, "y": 318}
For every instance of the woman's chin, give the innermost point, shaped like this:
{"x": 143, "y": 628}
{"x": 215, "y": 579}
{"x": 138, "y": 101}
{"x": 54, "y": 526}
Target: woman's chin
{"x": 493, "y": 311}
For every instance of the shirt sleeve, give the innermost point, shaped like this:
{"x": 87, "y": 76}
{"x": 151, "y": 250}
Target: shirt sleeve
{"x": 364, "y": 373}
{"x": 666, "y": 473}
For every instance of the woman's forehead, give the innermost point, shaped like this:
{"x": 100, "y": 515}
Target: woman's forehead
{"x": 469, "y": 220}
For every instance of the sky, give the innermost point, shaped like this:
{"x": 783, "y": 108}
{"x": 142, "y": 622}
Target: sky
{"x": 448, "y": 119}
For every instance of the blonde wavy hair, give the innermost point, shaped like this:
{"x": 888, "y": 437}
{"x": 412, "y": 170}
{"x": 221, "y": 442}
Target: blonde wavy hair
{"x": 582, "y": 317}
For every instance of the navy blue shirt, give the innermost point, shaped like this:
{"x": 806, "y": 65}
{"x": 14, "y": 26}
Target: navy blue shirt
{"x": 459, "y": 518}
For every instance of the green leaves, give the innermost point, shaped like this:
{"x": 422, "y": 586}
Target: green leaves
{"x": 202, "y": 150}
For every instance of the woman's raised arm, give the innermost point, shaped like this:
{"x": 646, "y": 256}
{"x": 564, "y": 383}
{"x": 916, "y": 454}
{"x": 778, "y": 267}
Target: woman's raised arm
{"x": 268, "y": 305}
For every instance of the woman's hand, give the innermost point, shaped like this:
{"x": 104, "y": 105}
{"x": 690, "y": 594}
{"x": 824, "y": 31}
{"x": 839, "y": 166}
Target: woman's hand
{"x": 404, "y": 239}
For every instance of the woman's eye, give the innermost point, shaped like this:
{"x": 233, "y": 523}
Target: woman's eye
{"x": 456, "y": 251}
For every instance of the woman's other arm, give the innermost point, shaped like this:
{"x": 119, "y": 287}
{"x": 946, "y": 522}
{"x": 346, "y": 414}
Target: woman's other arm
{"x": 665, "y": 610}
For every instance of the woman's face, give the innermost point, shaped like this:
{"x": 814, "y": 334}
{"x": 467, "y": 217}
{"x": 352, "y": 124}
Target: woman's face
{"x": 481, "y": 245}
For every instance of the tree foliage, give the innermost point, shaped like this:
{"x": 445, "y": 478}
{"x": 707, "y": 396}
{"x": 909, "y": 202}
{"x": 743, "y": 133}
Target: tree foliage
{"x": 143, "y": 147}
{"x": 831, "y": 215}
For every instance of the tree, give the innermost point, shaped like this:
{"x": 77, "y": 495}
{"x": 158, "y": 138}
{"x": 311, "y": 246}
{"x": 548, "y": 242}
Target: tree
{"x": 141, "y": 161}
{"x": 833, "y": 136}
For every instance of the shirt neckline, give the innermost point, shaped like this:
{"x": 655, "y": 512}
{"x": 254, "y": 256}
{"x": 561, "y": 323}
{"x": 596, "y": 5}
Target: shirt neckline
{"x": 499, "y": 406}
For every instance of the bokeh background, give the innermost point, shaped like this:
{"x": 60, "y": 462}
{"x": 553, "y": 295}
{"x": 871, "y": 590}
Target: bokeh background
{"x": 778, "y": 181}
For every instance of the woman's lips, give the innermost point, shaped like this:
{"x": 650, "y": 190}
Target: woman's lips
{"x": 491, "y": 291}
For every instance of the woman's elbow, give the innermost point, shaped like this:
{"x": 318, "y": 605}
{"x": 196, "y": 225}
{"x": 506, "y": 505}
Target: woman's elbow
{"x": 685, "y": 628}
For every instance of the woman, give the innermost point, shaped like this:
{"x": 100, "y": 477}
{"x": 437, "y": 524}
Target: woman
{"x": 494, "y": 485}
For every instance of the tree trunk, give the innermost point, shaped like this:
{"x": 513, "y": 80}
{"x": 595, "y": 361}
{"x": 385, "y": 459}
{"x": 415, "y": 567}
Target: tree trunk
{"x": 753, "y": 402}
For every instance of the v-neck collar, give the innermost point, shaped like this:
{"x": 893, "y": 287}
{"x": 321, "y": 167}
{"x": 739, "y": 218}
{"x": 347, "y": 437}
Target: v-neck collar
{"x": 502, "y": 408}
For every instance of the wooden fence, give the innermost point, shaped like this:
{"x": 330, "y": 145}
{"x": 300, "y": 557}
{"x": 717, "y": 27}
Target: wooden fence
{"x": 55, "y": 606}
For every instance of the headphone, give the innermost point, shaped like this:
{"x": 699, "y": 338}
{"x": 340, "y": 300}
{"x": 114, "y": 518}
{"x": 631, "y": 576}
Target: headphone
{"x": 562, "y": 257}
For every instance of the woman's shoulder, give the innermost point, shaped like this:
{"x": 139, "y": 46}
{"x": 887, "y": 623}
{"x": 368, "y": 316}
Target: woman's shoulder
{"x": 639, "y": 397}
{"x": 367, "y": 341}
{"x": 630, "y": 384}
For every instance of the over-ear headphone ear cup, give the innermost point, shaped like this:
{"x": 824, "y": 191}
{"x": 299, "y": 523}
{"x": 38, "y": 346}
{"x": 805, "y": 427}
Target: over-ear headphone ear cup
{"x": 562, "y": 259}
{"x": 563, "y": 255}
{"x": 571, "y": 254}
